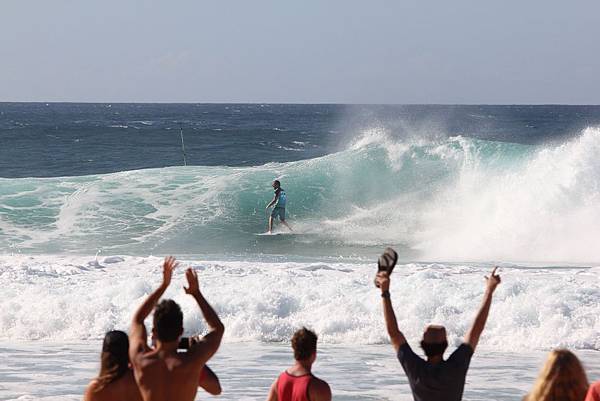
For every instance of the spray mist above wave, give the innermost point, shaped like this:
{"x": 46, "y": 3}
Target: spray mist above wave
{"x": 443, "y": 199}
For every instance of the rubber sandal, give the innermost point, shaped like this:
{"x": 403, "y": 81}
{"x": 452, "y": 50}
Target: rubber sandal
{"x": 386, "y": 263}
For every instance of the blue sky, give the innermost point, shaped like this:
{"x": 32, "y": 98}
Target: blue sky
{"x": 301, "y": 51}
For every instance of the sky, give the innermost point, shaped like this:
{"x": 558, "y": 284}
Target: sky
{"x": 284, "y": 51}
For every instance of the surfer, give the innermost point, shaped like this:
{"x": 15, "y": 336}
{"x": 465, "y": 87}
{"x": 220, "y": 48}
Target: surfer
{"x": 279, "y": 201}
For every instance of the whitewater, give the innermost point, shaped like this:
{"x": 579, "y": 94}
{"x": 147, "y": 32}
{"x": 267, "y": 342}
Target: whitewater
{"x": 80, "y": 252}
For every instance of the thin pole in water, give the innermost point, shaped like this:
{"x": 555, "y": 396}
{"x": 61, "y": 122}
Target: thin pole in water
{"x": 182, "y": 145}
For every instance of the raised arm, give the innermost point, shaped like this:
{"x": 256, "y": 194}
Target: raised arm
{"x": 206, "y": 347}
{"x": 472, "y": 337}
{"x": 210, "y": 382}
{"x": 137, "y": 333}
{"x": 396, "y": 337}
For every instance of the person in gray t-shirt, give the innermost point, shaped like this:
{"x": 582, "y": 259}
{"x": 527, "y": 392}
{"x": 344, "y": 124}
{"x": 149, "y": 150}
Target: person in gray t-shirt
{"x": 435, "y": 379}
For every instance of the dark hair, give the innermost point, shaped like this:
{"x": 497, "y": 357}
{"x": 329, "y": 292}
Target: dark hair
{"x": 277, "y": 182}
{"x": 168, "y": 320}
{"x": 433, "y": 349}
{"x": 114, "y": 361}
{"x": 304, "y": 343}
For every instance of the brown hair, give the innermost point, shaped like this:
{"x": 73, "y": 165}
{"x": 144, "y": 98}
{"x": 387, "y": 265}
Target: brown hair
{"x": 114, "y": 361}
{"x": 304, "y": 343}
{"x": 168, "y": 320}
{"x": 562, "y": 378}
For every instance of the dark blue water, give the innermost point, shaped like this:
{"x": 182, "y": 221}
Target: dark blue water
{"x": 68, "y": 139}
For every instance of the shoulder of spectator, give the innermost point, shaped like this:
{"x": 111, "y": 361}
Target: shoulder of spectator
{"x": 90, "y": 390}
{"x": 463, "y": 352}
{"x": 320, "y": 388}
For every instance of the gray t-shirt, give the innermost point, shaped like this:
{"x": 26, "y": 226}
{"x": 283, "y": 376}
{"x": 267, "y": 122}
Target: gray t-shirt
{"x": 442, "y": 382}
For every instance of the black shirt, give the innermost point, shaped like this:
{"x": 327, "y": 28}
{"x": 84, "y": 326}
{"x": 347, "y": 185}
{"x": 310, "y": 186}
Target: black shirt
{"x": 444, "y": 381}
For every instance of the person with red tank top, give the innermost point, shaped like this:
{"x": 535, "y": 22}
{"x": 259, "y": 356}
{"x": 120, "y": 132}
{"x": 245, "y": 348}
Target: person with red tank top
{"x": 297, "y": 383}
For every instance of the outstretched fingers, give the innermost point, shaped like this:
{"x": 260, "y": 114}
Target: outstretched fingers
{"x": 192, "y": 279}
{"x": 170, "y": 263}
{"x": 168, "y": 266}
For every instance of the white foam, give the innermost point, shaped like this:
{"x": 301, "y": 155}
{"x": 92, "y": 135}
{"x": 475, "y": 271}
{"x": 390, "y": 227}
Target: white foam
{"x": 540, "y": 204}
{"x": 63, "y": 298}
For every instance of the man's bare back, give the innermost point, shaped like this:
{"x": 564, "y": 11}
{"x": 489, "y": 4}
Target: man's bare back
{"x": 167, "y": 376}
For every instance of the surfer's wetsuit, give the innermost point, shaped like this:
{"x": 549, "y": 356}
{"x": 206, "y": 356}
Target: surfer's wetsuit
{"x": 279, "y": 209}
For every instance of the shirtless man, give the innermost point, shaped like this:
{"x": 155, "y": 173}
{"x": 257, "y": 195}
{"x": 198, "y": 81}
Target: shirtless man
{"x": 297, "y": 383}
{"x": 161, "y": 373}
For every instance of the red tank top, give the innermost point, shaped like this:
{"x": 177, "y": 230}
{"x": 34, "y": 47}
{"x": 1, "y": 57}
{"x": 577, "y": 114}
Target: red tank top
{"x": 293, "y": 388}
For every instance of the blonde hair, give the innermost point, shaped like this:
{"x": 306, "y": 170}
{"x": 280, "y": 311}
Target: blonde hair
{"x": 561, "y": 379}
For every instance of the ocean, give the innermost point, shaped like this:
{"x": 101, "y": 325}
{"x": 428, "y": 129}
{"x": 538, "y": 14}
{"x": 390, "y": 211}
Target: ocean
{"x": 93, "y": 196}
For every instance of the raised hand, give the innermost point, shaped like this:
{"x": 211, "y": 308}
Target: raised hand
{"x": 382, "y": 280}
{"x": 192, "y": 279}
{"x": 168, "y": 266}
{"x": 493, "y": 280}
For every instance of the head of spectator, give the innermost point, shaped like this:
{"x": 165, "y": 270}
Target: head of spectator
{"x": 115, "y": 380}
{"x": 562, "y": 378}
{"x": 434, "y": 342}
{"x": 304, "y": 344}
{"x": 114, "y": 361}
{"x": 167, "y": 321}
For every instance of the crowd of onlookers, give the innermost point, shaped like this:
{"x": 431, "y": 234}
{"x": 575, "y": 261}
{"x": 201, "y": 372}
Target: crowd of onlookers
{"x": 172, "y": 367}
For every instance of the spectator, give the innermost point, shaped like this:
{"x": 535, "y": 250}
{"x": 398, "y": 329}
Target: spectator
{"x": 297, "y": 383}
{"x": 162, "y": 373}
{"x": 435, "y": 379}
{"x": 115, "y": 382}
{"x": 562, "y": 378}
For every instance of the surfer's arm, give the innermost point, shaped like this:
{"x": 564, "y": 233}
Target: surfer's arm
{"x": 137, "y": 333}
{"x": 396, "y": 337}
{"x": 472, "y": 337}
{"x": 273, "y": 201}
{"x": 207, "y": 345}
